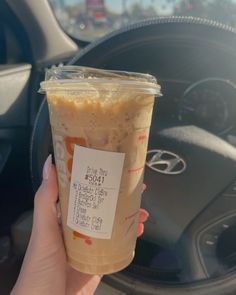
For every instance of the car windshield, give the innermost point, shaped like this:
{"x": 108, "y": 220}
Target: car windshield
{"x": 90, "y": 19}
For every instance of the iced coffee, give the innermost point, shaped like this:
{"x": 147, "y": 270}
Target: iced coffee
{"x": 100, "y": 124}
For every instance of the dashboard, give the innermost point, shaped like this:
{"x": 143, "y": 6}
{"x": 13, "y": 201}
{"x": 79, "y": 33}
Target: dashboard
{"x": 209, "y": 103}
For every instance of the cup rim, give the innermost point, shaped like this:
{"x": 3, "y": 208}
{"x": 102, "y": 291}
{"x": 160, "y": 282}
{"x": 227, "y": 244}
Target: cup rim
{"x": 72, "y": 78}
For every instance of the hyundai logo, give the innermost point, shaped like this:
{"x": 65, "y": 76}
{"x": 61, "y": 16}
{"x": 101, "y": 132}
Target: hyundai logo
{"x": 165, "y": 162}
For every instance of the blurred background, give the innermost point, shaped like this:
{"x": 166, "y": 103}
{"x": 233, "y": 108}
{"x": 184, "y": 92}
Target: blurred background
{"x": 90, "y": 19}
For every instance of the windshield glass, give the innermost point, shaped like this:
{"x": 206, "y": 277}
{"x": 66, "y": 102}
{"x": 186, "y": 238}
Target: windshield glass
{"x": 90, "y": 19}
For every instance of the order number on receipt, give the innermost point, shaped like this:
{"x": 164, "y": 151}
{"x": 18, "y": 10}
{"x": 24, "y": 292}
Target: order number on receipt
{"x": 94, "y": 189}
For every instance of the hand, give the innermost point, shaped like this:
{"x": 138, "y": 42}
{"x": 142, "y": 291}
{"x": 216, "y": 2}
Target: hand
{"x": 45, "y": 269}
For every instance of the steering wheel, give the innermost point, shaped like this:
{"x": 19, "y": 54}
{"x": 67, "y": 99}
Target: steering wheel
{"x": 188, "y": 209}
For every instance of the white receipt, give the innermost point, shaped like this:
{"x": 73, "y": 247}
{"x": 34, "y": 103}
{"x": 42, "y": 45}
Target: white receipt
{"x": 94, "y": 189}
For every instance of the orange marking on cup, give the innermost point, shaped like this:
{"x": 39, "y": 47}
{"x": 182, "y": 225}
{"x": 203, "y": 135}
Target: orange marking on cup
{"x": 76, "y": 234}
{"x": 69, "y": 165}
{"x": 71, "y": 141}
{"x": 142, "y": 137}
{"x": 135, "y": 169}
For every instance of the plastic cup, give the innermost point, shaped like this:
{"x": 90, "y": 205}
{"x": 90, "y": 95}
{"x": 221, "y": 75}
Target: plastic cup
{"x": 100, "y": 124}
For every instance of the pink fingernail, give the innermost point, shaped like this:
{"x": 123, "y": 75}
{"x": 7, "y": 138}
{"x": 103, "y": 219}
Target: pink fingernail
{"x": 143, "y": 187}
{"x": 47, "y": 167}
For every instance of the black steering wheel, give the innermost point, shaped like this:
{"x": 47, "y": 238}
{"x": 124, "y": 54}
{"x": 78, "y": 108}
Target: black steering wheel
{"x": 192, "y": 207}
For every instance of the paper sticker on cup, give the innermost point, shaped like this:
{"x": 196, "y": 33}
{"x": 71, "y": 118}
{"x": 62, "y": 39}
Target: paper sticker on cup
{"x": 94, "y": 189}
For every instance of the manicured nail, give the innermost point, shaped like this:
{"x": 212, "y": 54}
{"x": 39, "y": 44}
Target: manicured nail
{"x": 143, "y": 187}
{"x": 47, "y": 167}
{"x": 58, "y": 212}
{"x": 140, "y": 229}
{"x": 143, "y": 215}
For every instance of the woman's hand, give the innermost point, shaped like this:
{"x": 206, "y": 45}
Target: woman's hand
{"x": 45, "y": 270}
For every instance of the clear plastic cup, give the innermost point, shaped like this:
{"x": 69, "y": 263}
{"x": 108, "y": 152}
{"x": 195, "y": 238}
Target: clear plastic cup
{"x": 100, "y": 124}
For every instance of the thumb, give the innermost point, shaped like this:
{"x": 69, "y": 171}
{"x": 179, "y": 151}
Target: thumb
{"x": 45, "y": 213}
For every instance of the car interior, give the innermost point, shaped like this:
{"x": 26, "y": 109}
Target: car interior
{"x": 188, "y": 246}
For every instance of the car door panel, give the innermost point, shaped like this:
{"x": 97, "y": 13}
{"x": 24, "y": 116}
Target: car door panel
{"x": 14, "y": 82}
{"x": 14, "y": 141}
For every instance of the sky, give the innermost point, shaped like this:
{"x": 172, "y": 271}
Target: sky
{"x": 163, "y": 6}
{"x": 116, "y": 5}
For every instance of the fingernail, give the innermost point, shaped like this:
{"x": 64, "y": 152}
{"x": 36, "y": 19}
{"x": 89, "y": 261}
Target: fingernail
{"x": 143, "y": 187}
{"x": 47, "y": 167}
{"x": 58, "y": 212}
{"x": 140, "y": 229}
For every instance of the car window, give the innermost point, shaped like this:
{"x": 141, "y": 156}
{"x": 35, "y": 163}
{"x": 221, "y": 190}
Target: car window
{"x": 90, "y": 19}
